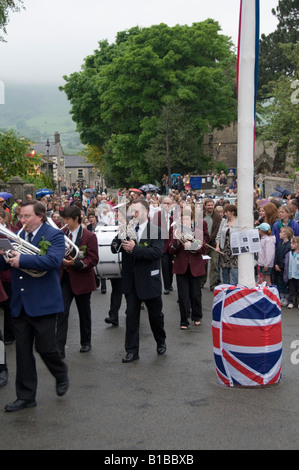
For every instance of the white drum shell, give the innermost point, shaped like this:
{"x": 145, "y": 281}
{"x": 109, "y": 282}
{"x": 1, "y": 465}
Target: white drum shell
{"x": 109, "y": 265}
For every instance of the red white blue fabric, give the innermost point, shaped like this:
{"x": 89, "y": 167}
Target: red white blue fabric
{"x": 247, "y": 335}
{"x": 242, "y": 45}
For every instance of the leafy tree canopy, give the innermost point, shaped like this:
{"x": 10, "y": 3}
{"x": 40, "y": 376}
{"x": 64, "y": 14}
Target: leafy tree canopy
{"x": 273, "y": 62}
{"x": 15, "y": 156}
{"x": 119, "y": 95}
{"x": 280, "y": 116}
{"x": 6, "y": 7}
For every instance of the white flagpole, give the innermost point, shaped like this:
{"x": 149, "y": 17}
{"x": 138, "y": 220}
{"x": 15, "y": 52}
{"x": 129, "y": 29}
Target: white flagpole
{"x": 246, "y": 131}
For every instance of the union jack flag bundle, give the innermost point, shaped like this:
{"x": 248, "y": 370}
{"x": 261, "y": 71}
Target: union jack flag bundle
{"x": 247, "y": 335}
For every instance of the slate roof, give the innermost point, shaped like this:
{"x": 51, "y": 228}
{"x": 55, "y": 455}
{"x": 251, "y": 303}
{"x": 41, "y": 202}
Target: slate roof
{"x": 40, "y": 147}
{"x": 76, "y": 161}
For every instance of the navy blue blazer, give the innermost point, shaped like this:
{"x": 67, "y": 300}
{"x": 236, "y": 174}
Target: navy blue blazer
{"x": 39, "y": 296}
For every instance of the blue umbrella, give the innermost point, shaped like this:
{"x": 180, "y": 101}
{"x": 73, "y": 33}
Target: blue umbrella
{"x": 89, "y": 190}
{"x": 43, "y": 192}
{"x": 5, "y": 195}
{"x": 283, "y": 191}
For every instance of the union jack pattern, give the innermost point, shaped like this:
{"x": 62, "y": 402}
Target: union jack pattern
{"x": 247, "y": 335}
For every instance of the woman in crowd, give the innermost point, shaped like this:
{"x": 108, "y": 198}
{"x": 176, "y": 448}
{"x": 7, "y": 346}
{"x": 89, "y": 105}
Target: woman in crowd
{"x": 270, "y": 213}
{"x": 92, "y": 220}
{"x": 5, "y": 220}
{"x": 228, "y": 262}
{"x": 285, "y": 220}
{"x": 56, "y": 217}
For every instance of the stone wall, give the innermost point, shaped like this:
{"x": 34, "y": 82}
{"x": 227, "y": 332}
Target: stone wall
{"x": 269, "y": 183}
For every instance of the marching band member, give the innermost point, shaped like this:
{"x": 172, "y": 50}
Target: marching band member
{"x": 35, "y": 303}
{"x": 3, "y": 364}
{"x": 164, "y": 219}
{"x": 188, "y": 264}
{"x": 78, "y": 279}
{"x": 141, "y": 279}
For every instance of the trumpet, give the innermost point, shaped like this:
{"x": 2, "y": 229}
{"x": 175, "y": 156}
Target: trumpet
{"x": 22, "y": 246}
{"x": 69, "y": 244}
{"x": 127, "y": 231}
{"x": 188, "y": 237}
{"x": 185, "y": 236}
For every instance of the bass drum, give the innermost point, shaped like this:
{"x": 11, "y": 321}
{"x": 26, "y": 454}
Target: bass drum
{"x": 109, "y": 265}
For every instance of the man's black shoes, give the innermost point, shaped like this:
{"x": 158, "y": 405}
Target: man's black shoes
{"x": 85, "y": 348}
{"x": 110, "y": 321}
{"x": 62, "y": 387}
{"x": 3, "y": 377}
{"x": 130, "y": 357}
{"x": 19, "y": 404}
{"x": 161, "y": 348}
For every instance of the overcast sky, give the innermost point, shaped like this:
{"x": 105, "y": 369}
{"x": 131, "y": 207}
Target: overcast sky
{"x": 51, "y": 38}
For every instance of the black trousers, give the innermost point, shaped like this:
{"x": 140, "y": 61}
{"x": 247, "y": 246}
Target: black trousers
{"x": 156, "y": 320}
{"x": 84, "y": 310}
{"x": 166, "y": 265}
{"x": 189, "y": 292}
{"x": 8, "y": 328}
{"x": 41, "y": 330}
{"x": 115, "y": 298}
{"x": 293, "y": 290}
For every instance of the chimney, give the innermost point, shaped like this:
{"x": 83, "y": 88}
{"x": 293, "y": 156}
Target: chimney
{"x": 57, "y": 137}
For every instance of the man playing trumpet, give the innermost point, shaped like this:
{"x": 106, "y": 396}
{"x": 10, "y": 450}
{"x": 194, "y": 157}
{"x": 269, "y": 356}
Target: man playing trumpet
{"x": 141, "y": 278}
{"x": 35, "y": 303}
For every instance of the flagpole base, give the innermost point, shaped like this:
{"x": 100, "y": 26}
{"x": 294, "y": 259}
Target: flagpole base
{"x": 247, "y": 336}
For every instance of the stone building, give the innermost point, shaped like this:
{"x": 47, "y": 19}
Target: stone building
{"x": 52, "y": 158}
{"x": 79, "y": 172}
{"x": 65, "y": 170}
{"x": 222, "y": 145}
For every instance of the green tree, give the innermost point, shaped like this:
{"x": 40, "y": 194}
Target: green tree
{"x": 118, "y": 97}
{"x": 15, "y": 156}
{"x": 280, "y": 116}
{"x": 7, "y": 7}
{"x": 272, "y": 61}
{"x": 185, "y": 145}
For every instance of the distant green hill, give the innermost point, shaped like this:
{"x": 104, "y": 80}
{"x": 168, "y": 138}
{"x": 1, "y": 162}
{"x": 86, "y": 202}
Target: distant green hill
{"x": 37, "y": 112}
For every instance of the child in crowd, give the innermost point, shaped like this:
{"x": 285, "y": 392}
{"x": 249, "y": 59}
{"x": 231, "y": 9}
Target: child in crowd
{"x": 267, "y": 253}
{"x": 283, "y": 247}
{"x": 292, "y": 271}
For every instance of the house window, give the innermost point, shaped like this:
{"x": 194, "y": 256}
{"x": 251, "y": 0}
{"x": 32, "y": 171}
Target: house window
{"x": 80, "y": 173}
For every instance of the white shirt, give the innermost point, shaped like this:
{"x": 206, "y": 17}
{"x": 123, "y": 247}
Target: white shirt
{"x": 33, "y": 233}
{"x": 74, "y": 234}
{"x": 141, "y": 229}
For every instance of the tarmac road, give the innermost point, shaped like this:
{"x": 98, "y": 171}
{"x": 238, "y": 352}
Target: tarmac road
{"x": 171, "y": 402}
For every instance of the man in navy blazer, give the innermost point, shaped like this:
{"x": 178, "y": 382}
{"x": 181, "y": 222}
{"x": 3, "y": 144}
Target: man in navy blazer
{"x": 35, "y": 302}
{"x": 141, "y": 279}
